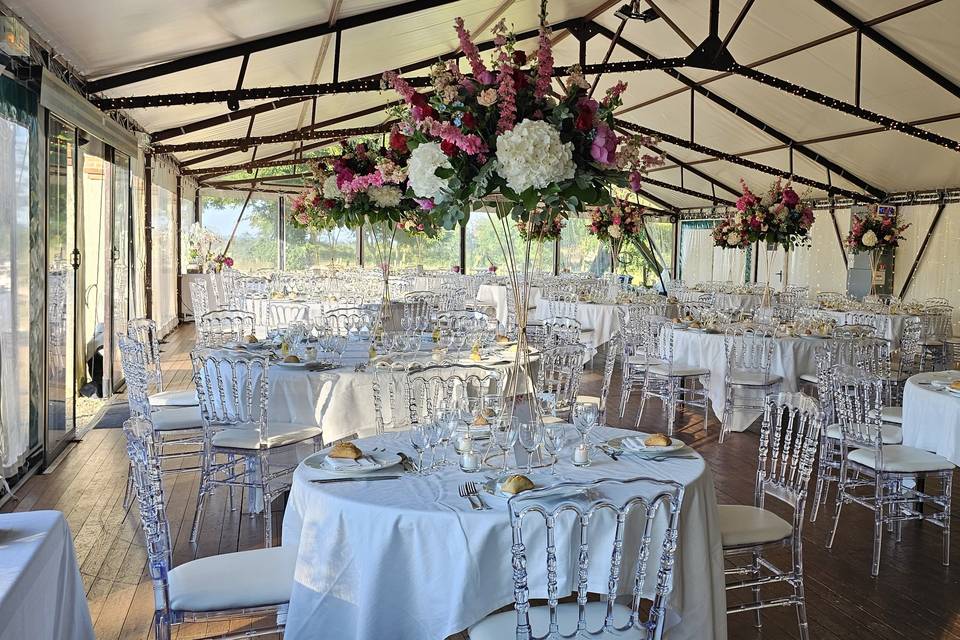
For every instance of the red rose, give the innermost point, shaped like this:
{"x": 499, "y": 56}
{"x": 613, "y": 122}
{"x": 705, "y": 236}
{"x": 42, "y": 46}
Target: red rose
{"x": 520, "y": 79}
{"x": 398, "y": 141}
{"x": 584, "y": 121}
{"x": 329, "y": 204}
{"x": 519, "y": 58}
{"x": 469, "y": 121}
{"x": 418, "y": 100}
{"x": 448, "y": 148}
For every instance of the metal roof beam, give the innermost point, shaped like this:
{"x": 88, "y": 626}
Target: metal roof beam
{"x": 262, "y": 44}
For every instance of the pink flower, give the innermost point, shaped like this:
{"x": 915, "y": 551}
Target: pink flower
{"x": 426, "y": 204}
{"x": 790, "y": 198}
{"x": 470, "y": 50}
{"x": 508, "y": 98}
{"x": 228, "y": 261}
{"x": 604, "y": 147}
{"x": 544, "y": 65}
{"x": 487, "y": 97}
{"x": 635, "y": 181}
{"x": 613, "y": 93}
{"x": 586, "y": 112}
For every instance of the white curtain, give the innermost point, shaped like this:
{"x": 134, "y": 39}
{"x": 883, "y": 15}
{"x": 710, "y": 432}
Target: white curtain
{"x": 938, "y": 274}
{"x": 820, "y": 266}
{"x": 696, "y": 253}
{"x": 164, "y": 244}
{"x": 138, "y": 306}
{"x": 14, "y": 295}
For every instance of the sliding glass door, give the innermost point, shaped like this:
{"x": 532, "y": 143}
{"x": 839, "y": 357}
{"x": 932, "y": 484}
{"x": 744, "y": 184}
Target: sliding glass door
{"x": 121, "y": 263}
{"x": 63, "y": 260}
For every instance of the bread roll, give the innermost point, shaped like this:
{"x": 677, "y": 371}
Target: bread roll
{"x": 291, "y": 359}
{"x": 656, "y": 440}
{"x": 346, "y": 451}
{"x": 516, "y": 484}
{"x": 250, "y": 338}
{"x": 480, "y": 421}
{"x": 955, "y": 385}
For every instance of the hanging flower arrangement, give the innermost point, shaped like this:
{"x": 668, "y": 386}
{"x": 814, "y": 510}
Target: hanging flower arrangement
{"x": 776, "y": 218}
{"x": 500, "y": 130}
{"x": 611, "y": 223}
{"x": 874, "y": 231}
{"x": 542, "y": 226}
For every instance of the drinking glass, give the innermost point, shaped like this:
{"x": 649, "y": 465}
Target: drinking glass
{"x": 420, "y": 439}
{"x": 504, "y": 434}
{"x": 433, "y": 438}
{"x": 530, "y": 435}
{"x": 554, "y": 438}
{"x": 584, "y": 418}
{"x": 447, "y": 424}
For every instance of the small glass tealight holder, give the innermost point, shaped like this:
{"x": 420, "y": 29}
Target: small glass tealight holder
{"x": 581, "y": 455}
{"x": 469, "y": 459}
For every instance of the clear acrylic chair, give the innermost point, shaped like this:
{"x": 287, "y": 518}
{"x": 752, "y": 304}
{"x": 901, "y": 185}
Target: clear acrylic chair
{"x": 747, "y": 379}
{"x": 352, "y": 323}
{"x": 144, "y": 331}
{"x": 560, "y": 330}
{"x": 176, "y": 428}
{"x": 557, "y": 384}
{"x": 634, "y": 333}
{"x": 673, "y": 383}
{"x": 873, "y": 473}
{"x": 788, "y": 445}
{"x": 631, "y": 526}
{"x": 219, "y": 588}
{"x": 217, "y": 328}
{"x": 611, "y": 353}
{"x": 199, "y": 297}
{"x": 283, "y": 314}
{"x": 238, "y": 436}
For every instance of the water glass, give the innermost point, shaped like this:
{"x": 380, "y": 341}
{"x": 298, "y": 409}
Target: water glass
{"x": 420, "y": 439}
{"x": 504, "y": 434}
{"x": 554, "y": 439}
{"x": 530, "y": 435}
{"x": 585, "y": 416}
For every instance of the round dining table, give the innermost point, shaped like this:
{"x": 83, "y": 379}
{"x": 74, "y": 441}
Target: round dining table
{"x": 495, "y": 295}
{"x": 409, "y": 559}
{"x": 792, "y": 357}
{"x": 601, "y": 319}
{"x": 931, "y": 414}
{"x": 892, "y": 323}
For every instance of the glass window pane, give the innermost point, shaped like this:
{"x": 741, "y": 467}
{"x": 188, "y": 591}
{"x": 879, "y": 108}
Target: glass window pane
{"x": 306, "y": 248}
{"x": 485, "y": 241}
{"x": 163, "y": 258}
{"x": 580, "y": 250}
{"x": 410, "y": 251}
{"x": 256, "y": 244}
{"x": 644, "y": 272}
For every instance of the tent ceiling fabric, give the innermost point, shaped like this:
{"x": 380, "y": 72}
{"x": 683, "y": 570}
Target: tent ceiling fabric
{"x": 102, "y": 37}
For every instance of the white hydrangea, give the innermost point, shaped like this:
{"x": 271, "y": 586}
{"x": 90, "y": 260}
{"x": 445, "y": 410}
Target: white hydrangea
{"x": 614, "y": 231}
{"x": 330, "y": 189}
{"x": 532, "y": 155}
{"x": 869, "y": 239}
{"x": 421, "y": 171}
{"x": 385, "y": 196}
{"x": 733, "y": 238}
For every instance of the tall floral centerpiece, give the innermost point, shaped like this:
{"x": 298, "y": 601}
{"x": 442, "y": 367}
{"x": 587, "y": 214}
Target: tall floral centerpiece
{"x": 614, "y": 225}
{"x": 874, "y": 233}
{"x": 778, "y": 218}
{"x": 501, "y": 134}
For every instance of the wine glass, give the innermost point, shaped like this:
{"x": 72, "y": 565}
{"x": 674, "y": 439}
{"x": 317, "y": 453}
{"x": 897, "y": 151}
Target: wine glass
{"x": 554, "y": 438}
{"x": 433, "y": 429}
{"x": 419, "y": 439}
{"x": 449, "y": 420}
{"x": 584, "y": 418}
{"x": 530, "y": 435}
{"x": 504, "y": 434}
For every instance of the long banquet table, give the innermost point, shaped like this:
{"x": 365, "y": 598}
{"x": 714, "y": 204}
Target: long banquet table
{"x": 41, "y": 593}
{"x": 408, "y": 559}
{"x": 931, "y": 415}
{"x": 601, "y": 319}
{"x": 495, "y": 295}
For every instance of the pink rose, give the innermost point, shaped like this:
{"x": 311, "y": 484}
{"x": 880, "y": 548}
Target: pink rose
{"x": 790, "y": 198}
{"x": 604, "y": 147}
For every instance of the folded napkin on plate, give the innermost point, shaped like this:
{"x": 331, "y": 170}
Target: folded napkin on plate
{"x": 347, "y": 463}
{"x": 634, "y": 443}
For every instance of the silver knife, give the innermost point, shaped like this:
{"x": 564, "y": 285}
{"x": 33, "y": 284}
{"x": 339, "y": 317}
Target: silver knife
{"x": 406, "y": 462}
{"x": 354, "y": 479}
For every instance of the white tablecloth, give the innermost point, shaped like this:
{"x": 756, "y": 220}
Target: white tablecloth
{"x": 41, "y": 593}
{"x": 893, "y": 324}
{"x": 931, "y": 417}
{"x": 791, "y": 357}
{"x": 495, "y": 295}
{"x": 602, "y": 318}
{"x": 738, "y": 301}
{"x": 409, "y": 560}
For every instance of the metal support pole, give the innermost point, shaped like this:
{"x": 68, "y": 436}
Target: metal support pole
{"x": 148, "y": 233}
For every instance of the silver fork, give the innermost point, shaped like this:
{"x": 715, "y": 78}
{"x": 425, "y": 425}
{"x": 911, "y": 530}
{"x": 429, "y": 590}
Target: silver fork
{"x": 465, "y": 493}
{"x": 473, "y": 491}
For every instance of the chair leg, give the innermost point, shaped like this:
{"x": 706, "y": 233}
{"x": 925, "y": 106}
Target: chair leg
{"x": 671, "y": 406}
{"x": 129, "y": 491}
{"x": 201, "y": 499}
{"x": 755, "y": 566}
{"x": 798, "y": 590}
{"x": 727, "y": 411}
{"x": 706, "y": 405}
{"x": 946, "y": 488}
{"x": 877, "y": 523}
{"x": 841, "y": 489}
{"x": 267, "y": 502}
{"x": 161, "y": 626}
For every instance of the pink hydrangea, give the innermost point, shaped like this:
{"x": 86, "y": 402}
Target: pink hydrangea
{"x": 604, "y": 147}
{"x": 636, "y": 181}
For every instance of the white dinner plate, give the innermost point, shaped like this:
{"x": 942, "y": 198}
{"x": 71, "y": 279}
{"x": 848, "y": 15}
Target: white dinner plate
{"x": 941, "y": 383}
{"x": 293, "y": 365}
{"x": 617, "y": 444}
{"x": 539, "y": 480}
{"x": 379, "y": 462}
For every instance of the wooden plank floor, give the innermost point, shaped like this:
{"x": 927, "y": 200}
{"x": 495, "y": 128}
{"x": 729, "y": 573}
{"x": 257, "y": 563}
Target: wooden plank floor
{"x": 914, "y": 596}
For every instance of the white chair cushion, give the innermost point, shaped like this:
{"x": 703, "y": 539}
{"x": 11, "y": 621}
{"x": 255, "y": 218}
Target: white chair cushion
{"x": 177, "y": 418}
{"x": 902, "y": 459}
{"x": 503, "y": 626}
{"x": 890, "y": 433}
{"x": 742, "y": 525}
{"x": 187, "y": 398}
{"x": 234, "y": 580}
{"x": 810, "y": 377}
{"x": 753, "y": 379}
{"x": 278, "y": 434}
{"x": 641, "y": 361}
{"x": 892, "y": 414}
{"x": 679, "y": 370}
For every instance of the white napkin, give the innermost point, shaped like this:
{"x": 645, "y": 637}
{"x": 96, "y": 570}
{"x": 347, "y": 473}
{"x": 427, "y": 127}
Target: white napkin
{"x": 341, "y": 464}
{"x": 633, "y": 443}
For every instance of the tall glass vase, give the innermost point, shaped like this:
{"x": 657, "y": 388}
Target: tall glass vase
{"x": 766, "y": 300}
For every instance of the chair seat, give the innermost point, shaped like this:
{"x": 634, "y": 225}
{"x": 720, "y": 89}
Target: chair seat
{"x": 260, "y": 577}
{"x": 810, "y": 377}
{"x": 503, "y": 626}
{"x": 890, "y": 433}
{"x": 752, "y": 379}
{"x": 932, "y": 343}
{"x": 744, "y": 525}
{"x": 902, "y": 459}
{"x": 186, "y": 398}
{"x": 679, "y": 371}
{"x": 278, "y": 435}
{"x": 892, "y": 414}
{"x": 177, "y": 419}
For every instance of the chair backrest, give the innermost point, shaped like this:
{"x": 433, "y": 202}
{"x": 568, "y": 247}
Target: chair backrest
{"x": 233, "y": 390}
{"x": 613, "y": 507}
{"x": 749, "y": 351}
{"x": 613, "y": 349}
{"x": 282, "y": 314}
{"x": 788, "y": 446}
{"x": 559, "y": 375}
{"x": 353, "y": 323}
{"x": 858, "y": 400}
{"x": 229, "y": 325}
{"x": 147, "y": 480}
{"x": 559, "y": 330}
{"x": 199, "y": 298}
{"x": 135, "y": 371}
{"x": 144, "y": 331}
